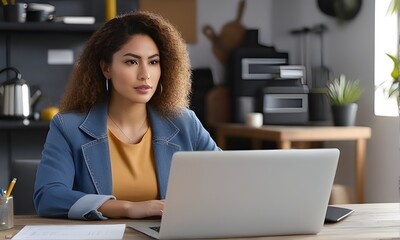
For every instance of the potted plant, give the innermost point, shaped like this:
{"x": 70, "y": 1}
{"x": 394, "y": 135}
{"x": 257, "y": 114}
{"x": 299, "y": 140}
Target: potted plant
{"x": 343, "y": 94}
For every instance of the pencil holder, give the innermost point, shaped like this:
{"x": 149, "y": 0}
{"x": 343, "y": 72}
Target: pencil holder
{"x": 6, "y": 213}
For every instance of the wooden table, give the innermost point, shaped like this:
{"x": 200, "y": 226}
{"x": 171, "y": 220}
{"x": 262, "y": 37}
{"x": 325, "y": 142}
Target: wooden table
{"x": 368, "y": 221}
{"x": 286, "y": 136}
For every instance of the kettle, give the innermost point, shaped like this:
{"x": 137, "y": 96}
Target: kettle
{"x": 15, "y": 98}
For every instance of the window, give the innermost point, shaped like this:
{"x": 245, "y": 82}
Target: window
{"x": 386, "y": 39}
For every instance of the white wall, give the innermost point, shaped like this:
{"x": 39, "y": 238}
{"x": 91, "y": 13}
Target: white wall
{"x": 349, "y": 49}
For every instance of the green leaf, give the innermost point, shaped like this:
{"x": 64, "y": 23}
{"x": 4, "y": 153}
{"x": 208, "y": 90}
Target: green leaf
{"x": 343, "y": 92}
{"x": 394, "y": 84}
{"x": 393, "y": 6}
{"x": 395, "y": 71}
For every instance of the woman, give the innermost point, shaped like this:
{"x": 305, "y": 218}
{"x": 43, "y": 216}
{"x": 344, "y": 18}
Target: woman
{"x": 124, "y": 114}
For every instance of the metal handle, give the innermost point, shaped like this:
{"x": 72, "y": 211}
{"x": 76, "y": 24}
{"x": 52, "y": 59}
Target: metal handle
{"x": 17, "y": 73}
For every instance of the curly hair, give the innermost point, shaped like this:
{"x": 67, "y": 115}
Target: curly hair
{"x": 87, "y": 86}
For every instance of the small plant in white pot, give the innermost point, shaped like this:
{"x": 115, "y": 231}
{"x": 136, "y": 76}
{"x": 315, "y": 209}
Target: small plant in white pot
{"x": 343, "y": 95}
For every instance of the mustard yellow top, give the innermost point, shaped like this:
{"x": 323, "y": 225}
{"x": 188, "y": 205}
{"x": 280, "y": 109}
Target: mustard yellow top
{"x": 133, "y": 169}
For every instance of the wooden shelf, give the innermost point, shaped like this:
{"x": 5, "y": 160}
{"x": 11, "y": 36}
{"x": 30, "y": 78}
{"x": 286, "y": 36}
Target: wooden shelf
{"x": 48, "y": 27}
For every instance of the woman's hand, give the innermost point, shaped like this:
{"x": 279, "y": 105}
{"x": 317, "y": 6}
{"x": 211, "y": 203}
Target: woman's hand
{"x": 121, "y": 209}
{"x": 145, "y": 209}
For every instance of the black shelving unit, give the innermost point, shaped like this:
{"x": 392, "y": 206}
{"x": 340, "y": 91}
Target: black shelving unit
{"x": 30, "y": 40}
{"x": 25, "y": 46}
{"x": 21, "y": 124}
{"x": 47, "y": 27}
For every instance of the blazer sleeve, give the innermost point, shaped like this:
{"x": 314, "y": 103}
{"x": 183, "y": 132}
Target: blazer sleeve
{"x": 204, "y": 141}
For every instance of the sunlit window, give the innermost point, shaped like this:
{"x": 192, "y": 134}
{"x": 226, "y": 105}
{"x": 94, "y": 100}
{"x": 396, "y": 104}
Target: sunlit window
{"x": 386, "y": 38}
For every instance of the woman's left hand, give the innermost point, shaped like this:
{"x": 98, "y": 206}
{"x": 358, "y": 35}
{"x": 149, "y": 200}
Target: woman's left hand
{"x": 135, "y": 210}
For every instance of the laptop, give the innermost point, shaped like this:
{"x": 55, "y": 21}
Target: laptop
{"x": 245, "y": 193}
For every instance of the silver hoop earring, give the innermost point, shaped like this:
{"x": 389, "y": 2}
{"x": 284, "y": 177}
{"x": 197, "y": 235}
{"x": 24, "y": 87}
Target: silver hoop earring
{"x": 107, "y": 84}
{"x": 161, "y": 88}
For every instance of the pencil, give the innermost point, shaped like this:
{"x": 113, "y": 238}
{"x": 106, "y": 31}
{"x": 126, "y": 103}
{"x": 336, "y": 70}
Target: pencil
{"x": 10, "y": 188}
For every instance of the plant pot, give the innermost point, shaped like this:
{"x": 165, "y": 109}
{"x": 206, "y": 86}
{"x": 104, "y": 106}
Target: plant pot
{"x": 319, "y": 107}
{"x": 344, "y": 115}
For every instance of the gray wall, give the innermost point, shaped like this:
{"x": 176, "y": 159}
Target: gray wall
{"x": 350, "y": 50}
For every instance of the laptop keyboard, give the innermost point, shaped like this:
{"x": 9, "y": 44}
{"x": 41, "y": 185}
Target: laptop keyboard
{"x": 157, "y": 229}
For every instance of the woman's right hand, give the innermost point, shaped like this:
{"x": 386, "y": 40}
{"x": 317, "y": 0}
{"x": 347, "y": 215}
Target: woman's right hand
{"x": 134, "y": 210}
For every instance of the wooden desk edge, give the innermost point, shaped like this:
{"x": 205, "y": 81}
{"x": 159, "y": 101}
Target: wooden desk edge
{"x": 369, "y": 221}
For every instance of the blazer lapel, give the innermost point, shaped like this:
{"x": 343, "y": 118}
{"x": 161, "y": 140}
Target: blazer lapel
{"x": 96, "y": 152}
{"x": 163, "y": 132}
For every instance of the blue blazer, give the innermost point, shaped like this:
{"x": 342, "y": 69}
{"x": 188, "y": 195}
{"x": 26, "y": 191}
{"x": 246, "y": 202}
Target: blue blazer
{"x": 74, "y": 175}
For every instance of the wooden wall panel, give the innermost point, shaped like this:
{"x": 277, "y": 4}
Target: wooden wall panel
{"x": 182, "y": 13}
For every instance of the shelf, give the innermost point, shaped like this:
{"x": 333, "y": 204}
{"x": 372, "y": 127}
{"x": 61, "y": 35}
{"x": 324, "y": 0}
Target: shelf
{"x": 19, "y": 124}
{"x": 48, "y": 27}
